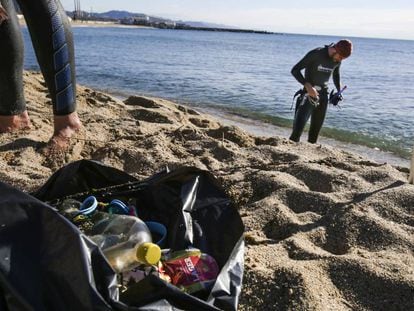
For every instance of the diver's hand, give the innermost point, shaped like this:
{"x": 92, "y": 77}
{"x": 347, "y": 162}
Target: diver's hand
{"x": 3, "y": 15}
{"x": 312, "y": 92}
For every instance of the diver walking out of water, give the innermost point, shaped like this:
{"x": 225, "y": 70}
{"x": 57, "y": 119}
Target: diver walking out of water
{"x": 53, "y": 43}
{"x": 319, "y": 64}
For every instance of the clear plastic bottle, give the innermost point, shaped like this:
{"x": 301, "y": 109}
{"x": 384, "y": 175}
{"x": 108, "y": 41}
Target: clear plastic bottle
{"x": 125, "y": 240}
{"x": 128, "y": 255}
{"x": 111, "y": 229}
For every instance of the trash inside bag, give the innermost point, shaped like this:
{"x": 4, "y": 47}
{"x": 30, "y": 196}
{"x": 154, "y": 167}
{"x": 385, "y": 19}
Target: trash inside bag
{"x": 190, "y": 270}
{"x": 49, "y": 262}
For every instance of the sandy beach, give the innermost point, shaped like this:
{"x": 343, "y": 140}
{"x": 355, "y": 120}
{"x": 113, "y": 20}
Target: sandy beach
{"x": 105, "y": 24}
{"x": 326, "y": 229}
{"x": 91, "y": 23}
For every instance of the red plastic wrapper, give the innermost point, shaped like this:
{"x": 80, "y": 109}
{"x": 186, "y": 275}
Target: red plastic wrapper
{"x": 190, "y": 270}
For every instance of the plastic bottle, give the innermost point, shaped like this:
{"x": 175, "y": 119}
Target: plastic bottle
{"x": 111, "y": 229}
{"x": 128, "y": 255}
{"x": 125, "y": 240}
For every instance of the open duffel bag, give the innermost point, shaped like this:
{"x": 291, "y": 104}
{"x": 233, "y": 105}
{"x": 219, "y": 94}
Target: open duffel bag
{"x": 53, "y": 266}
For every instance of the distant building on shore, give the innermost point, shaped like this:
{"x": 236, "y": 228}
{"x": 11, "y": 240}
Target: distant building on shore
{"x": 166, "y": 24}
{"x": 145, "y": 20}
{"x": 139, "y": 19}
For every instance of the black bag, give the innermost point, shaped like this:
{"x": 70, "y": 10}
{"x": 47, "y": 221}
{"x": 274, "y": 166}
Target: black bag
{"x": 48, "y": 264}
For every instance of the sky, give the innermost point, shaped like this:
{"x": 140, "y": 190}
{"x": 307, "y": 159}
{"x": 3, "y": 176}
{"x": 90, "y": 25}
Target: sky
{"x": 356, "y": 18}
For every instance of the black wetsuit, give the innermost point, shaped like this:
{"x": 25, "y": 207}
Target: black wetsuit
{"x": 53, "y": 43}
{"x": 319, "y": 67}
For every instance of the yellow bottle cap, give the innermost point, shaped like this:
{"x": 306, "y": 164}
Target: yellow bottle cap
{"x": 149, "y": 253}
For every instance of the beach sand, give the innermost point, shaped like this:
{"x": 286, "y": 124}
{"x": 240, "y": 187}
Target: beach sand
{"x": 93, "y": 23}
{"x": 90, "y": 23}
{"x": 326, "y": 229}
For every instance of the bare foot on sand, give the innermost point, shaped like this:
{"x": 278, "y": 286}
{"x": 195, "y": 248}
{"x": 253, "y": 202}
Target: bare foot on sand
{"x": 14, "y": 123}
{"x": 65, "y": 127}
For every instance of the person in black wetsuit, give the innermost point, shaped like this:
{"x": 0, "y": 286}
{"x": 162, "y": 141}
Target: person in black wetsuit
{"x": 319, "y": 64}
{"x": 53, "y": 43}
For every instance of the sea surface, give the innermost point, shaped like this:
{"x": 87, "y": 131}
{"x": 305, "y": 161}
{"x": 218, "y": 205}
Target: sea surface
{"x": 249, "y": 75}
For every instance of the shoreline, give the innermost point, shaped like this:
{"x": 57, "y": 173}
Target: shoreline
{"x": 94, "y": 24}
{"x": 259, "y": 128}
{"x": 265, "y": 129}
{"x": 103, "y": 24}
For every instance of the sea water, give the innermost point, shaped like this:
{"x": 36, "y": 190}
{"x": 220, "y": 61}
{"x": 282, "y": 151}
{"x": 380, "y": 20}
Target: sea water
{"x": 249, "y": 75}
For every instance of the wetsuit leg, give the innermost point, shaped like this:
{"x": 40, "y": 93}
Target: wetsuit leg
{"x": 318, "y": 116}
{"x": 53, "y": 43}
{"x": 12, "y": 100}
{"x": 302, "y": 115}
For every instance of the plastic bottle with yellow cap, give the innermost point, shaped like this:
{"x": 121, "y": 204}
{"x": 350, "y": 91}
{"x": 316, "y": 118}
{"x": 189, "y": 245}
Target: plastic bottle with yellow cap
{"x": 128, "y": 255}
{"x": 125, "y": 240}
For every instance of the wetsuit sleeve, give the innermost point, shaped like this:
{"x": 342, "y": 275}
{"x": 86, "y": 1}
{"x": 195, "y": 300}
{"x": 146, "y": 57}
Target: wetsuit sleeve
{"x": 337, "y": 78}
{"x": 302, "y": 64}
